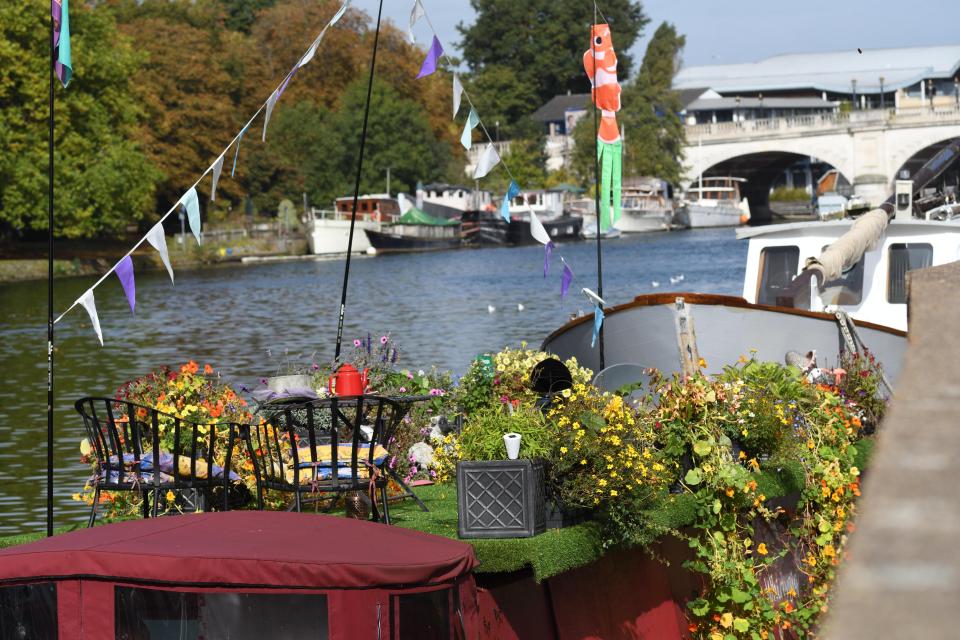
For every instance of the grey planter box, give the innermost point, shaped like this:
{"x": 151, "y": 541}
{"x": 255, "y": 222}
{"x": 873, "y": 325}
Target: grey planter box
{"x": 500, "y": 499}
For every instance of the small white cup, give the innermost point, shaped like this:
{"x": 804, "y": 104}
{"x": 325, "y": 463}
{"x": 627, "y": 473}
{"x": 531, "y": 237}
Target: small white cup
{"x": 512, "y": 441}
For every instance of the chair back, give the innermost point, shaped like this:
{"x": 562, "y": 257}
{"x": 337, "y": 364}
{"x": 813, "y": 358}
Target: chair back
{"x": 137, "y": 446}
{"x": 330, "y": 444}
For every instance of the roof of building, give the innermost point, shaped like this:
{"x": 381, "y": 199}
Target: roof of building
{"x": 720, "y": 104}
{"x": 691, "y": 94}
{"x": 558, "y": 106}
{"x": 829, "y": 71}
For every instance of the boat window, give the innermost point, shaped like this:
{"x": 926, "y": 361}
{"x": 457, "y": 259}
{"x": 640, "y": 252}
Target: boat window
{"x": 423, "y": 616}
{"x": 778, "y": 266}
{"x": 904, "y": 258}
{"x": 28, "y": 611}
{"x": 847, "y": 289}
{"x": 155, "y": 614}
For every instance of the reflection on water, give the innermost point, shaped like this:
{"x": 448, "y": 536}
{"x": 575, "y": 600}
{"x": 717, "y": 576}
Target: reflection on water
{"x": 435, "y": 305}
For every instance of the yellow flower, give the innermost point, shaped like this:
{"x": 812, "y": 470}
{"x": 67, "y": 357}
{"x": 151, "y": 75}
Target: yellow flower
{"x": 563, "y": 450}
{"x": 603, "y": 482}
{"x": 716, "y": 635}
{"x": 742, "y": 456}
{"x": 613, "y": 493}
{"x": 583, "y": 461}
{"x": 702, "y": 364}
{"x": 730, "y": 491}
{"x": 170, "y": 496}
{"x": 726, "y": 620}
{"x": 828, "y": 551}
{"x": 762, "y": 549}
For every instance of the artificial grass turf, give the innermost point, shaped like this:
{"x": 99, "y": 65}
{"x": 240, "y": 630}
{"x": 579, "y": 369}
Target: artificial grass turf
{"x": 557, "y": 550}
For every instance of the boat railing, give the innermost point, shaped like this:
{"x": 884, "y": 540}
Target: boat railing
{"x": 336, "y": 214}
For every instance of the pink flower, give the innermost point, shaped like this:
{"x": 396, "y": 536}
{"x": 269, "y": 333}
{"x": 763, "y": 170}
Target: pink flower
{"x": 357, "y": 343}
{"x": 384, "y": 339}
{"x": 403, "y": 389}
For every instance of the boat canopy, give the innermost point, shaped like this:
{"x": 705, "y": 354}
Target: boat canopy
{"x": 417, "y": 216}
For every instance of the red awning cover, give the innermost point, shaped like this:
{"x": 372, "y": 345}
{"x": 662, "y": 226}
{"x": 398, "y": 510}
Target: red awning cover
{"x": 250, "y": 548}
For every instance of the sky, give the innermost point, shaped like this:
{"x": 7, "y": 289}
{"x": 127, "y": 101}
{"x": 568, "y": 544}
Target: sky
{"x": 734, "y": 31}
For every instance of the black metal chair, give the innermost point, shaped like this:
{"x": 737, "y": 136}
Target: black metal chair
{"x": 326, "y": 447}
{"x": 139, "y": 448}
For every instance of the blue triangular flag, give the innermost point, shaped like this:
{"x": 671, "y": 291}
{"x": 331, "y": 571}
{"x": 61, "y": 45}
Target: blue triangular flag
{"x": 597, "y": 323}
{"x": 512, "y": 192}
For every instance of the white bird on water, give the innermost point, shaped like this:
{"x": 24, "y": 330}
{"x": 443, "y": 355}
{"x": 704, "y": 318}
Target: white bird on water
{"x": 654, "y": 284}
{"x": 676, "y": 279}
{"x": 491, "y": 308}
{"x": 520, "y": 306}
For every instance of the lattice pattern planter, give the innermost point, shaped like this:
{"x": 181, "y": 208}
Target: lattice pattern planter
{"x": 500, "y": 499}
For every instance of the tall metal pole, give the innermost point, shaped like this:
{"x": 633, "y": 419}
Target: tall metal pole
{"x": 356, "y": 187}
{"x": 596, "y": 169}
{"x": 53, "y": 58}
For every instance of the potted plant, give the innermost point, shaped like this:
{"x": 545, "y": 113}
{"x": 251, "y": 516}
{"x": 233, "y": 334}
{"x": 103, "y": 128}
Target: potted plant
{"x": 499, "y": 497}
{"x": 294, "y": 375}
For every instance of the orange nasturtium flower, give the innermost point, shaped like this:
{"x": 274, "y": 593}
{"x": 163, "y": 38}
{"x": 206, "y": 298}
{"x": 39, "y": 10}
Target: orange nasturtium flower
{"x": 762, "y": 549}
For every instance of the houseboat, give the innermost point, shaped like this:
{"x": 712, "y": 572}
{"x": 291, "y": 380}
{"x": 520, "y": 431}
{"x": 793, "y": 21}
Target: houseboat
{"x": 328, "y": 230}
{"x": 714, "y": 202}
{"x": 415, "y": 231}
{"x": 548, "y": 205}
{"x": 450, "y": 201}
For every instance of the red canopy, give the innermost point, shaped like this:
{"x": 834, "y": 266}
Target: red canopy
{"x": 246, "y": 548}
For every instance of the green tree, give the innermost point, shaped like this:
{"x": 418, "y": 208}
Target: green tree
{"x": 398, "y": 137}
{"x": 241, "y": 14}
{"x": 103, "y": 180}
{"x": 501, "y": 95}
{"x": 543, "y": 41}
{"x": 655, "y": 134}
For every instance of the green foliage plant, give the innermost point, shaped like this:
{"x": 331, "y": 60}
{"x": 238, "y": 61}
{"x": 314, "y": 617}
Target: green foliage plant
{"x": 482, "y": 434}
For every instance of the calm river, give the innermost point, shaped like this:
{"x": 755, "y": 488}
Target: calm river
{"x": 434, "y": 305}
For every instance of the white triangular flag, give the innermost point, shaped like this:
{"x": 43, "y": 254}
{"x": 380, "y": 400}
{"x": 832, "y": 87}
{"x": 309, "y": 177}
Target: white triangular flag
{"x": 488, "y": 160}
{"x": 339, "y": 14}
{"x": 308, "y": 56}
{"x": 415, "y": 14}
{"x": 271, "y": 102}
{"x": 91, "y": 306}
{"x": 536, "y": 229}
{"x": 457, "y": 93}
{"x": 217, "y": 168}
{"x": 158, "y": 241}
{"x": 191, "y": 202}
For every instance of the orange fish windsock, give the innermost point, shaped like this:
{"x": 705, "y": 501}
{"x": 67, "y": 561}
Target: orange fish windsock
{"x": 600, "y": 63}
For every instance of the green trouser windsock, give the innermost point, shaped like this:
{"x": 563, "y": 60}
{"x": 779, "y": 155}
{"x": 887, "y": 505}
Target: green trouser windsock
{"x": 609, "y": 155}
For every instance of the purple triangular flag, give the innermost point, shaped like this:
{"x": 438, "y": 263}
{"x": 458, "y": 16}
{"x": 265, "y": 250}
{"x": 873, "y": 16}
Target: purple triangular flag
{"x": 430, "y": 62}
{"x": 547, "y": 250}
{"x": 124, "y": 271}
{"x": 565, "y": 281}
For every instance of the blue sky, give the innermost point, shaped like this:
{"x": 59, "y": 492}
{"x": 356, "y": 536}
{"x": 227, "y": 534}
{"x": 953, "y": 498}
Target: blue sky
{"x": 745, "y": 30}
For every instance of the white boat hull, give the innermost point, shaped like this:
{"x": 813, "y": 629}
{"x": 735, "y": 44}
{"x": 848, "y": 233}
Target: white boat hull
{"x": 644, "y": 333}
{"x": 700, "y": 216}
{"x": 644, "y": 220}
{"x": 330, "y": 237}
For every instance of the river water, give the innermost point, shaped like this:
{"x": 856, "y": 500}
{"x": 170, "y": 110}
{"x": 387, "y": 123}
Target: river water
{"x": 434, "y": 305}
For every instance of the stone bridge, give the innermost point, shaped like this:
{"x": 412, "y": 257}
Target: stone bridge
{"x": 868, "y": 147}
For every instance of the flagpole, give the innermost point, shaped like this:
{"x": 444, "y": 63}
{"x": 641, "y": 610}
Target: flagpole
{"x": 53, "y": 59}
{"x": 596, "y": 186}
{"x": 356, "y": 188}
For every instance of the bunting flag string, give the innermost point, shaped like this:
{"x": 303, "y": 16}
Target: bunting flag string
{"x": 158, "y": 241}
{"x": 457, "y": 92}
{"x": 466, "y": 138}
{"x": 490, "y": 156}
{"x": 190, "y": 199}
{"x": 597, "y": 323}
{"x": 124, "y": 271}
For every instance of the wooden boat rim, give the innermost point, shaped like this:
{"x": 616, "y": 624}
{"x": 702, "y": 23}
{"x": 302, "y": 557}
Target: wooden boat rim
{"x": 654, "y": 299}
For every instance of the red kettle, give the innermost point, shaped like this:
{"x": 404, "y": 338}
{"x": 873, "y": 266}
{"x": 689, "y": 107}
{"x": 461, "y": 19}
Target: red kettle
{"x": 347, "y": 381}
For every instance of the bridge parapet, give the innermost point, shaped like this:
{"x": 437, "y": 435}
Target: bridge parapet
{"x": 823, "y": 123}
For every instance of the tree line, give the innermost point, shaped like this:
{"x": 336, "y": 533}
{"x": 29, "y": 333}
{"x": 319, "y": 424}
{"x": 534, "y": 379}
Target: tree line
{"x": 161, "y": 86}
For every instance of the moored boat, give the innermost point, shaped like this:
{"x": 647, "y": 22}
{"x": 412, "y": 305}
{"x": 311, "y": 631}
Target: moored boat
{"x": 548, "y": 205}
{"x": 413, "y": 231}
{"x": 715, "y": 202}
{"x": 328, "y": 231}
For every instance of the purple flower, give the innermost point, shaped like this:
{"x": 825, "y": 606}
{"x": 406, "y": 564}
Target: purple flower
{"x": 384, "y": 339}
{"x": 393, "y": 358}
{"x": 393, "y": 461}
{"x": 315, "y": 366}
{"x": 369, "y": 342}
{"x": 403, "y": 389}
{"x": 409, "y": 375}
{"x": 357, "y": 342}
{"x": 263, "y": 381}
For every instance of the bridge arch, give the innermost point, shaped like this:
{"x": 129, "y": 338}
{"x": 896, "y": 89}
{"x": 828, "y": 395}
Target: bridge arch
{"x": 915, "y": 160}
{"x": 761, "y": 170}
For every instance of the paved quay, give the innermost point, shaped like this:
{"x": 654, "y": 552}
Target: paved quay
{"x": 901, "y": 578}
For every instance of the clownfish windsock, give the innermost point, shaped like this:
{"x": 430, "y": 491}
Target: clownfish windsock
{"x": 600, "y": 63}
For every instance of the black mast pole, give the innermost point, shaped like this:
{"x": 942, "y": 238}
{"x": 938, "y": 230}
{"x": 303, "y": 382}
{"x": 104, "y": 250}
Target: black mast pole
{"x": 356, "y": 187}
{"x": 53, "y": 59}
{"x": 596, "y": 169}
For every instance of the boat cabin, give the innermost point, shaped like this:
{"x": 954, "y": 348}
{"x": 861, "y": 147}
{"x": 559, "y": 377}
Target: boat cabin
{"x": 451, "y": 200}
{"x": 546, "y": 203}
{"x": 716, "y": 189}
{"x": 378, "y": 207}
{"x": 874, "y": 289}
{"x": 646, "y": 194}
{"x": 243, "y": 575}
